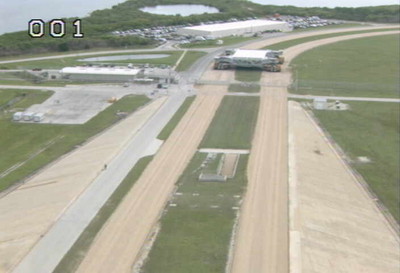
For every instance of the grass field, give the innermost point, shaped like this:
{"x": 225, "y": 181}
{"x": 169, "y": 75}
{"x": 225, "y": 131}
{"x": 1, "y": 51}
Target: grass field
{"x": 248, "y": 75}
{"x": 73, "y": 61}
{"x": 371, "y": 129}
{"x": 231, "y": 40}
{"x": 247, "y": 88}
{"x": 76, "y": 254}
{"x": 233, "y": 124}
{"x": 287, "y": 44}
{"x": 367, "y": 67}
{"x": 190, "y": 58}
{"x": 167, "y": 130}
{"x": 20, "y": 141}
{"x": 195, "y": 235}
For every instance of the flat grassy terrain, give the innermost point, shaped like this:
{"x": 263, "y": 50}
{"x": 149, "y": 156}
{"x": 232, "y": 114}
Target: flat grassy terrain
{"x": 167, "y": 130}
{"x": 371, "y": 129}
{"x": 76, "y": 254}
{"x": 233, "y": 124}
{"x": 367, "y": 67}
{"x": 74, "y": 61}
{"x": 231, "y": 40}
{"x": 190, "y": 58}
{"x": 243, "y": 87}
{"x": 21, "y": 141}
{"x": 248, "y": 75}
{"x": 195, "y": 234}
{"x": 290, "y": 43}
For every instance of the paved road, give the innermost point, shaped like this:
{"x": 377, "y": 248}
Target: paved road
{"x": 45, "y": 256}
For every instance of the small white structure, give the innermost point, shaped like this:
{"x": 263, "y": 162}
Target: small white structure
{"x": 28, "y": 116}
{"x": 235, "y": 28}
{"x": 17, "y": 116}
{"x": 38, "y": 117}
{"x": 320, "y": 103}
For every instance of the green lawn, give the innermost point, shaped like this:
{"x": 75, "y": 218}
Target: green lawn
{"x": 231, "y": 40}
{"x": 190, "y": 58}
{"x": 77, "y": 252}
{"x": 367, "y": 67}
{"x": 20, "y": 141}
{"x": 248, "y": 75}
{"x": 371, "y": 129}
{"x": 167, "y": 130}
{"x": 247, "y": 88}
{"x": 73, "y": 61}
{"x": 290, "y": 43}
{"x": 195, "y": 236}
{"x": 233, "y": 124}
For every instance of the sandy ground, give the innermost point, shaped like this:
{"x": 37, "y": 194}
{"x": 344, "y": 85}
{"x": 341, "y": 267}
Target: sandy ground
{"x": 28, "y": 212}
{"x": 124, "y": 235}
{"x": 229, "y": 166}
{"x": 336, "y": 227}
{"x": 262, "y": 243}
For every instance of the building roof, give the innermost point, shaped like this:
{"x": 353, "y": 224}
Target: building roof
{"x": 100, "y": 70}
{"x": 246, "y": 53}
{"x": 235, "y": 25}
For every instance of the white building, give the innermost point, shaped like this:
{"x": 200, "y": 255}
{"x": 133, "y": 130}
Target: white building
{"x": 320, "y": 103}
{"x": 83, "y": 73}
{"x": 235, "y": 28}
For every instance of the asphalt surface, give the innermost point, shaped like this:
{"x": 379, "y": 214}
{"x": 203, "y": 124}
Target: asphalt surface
{"x": 45, "y": 255}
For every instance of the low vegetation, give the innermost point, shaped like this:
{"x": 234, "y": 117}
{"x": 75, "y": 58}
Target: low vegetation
{"x": 290, "y": 43}
{"x": 233, "y": 124}
{"x": 243, "y": 87}
{"x": 77, "y": 252}
{"x": 195, "y": 234}
{"x": 370, "y": 129}
{"x": 248, "y": 75}
{"x": 167, "y": 130}
{"x": 74, "y": 61}
{"x": 189, "y": 59}
{"x": 366, "y": 67}
{"x": 19, "y": 141}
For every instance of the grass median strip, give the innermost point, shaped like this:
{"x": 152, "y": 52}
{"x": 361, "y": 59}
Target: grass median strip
{"x": 248, "y": 75}
{"x": 370, "y": 129}
{"x": 233, "y": 124}
{"x": 20, "y": 140}
{"x": 76, "y": 254}
{"x": 196, "y": 230}
{"x": 245, "y": 88}
{"x": 167, "y": 130}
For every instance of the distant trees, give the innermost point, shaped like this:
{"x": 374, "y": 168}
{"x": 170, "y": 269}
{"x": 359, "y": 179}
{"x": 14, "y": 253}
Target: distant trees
{"x": 100, "y": 23}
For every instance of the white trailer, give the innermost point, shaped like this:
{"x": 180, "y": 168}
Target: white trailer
{"x": 17, "y": 116}
{"x": 28, "y": 116}
{"x": 38, "y": 117}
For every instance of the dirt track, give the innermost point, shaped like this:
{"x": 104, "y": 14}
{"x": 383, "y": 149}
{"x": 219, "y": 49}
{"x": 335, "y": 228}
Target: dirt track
{"x": 127, "y": 230}
{"x": 262, "y": 243}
